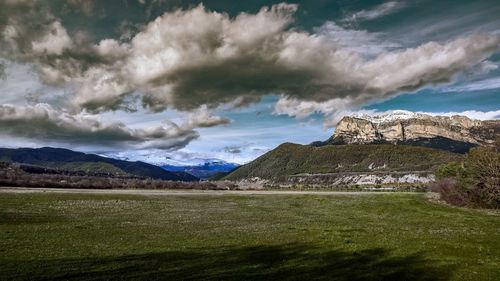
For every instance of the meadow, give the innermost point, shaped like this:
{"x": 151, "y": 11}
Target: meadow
{"x": 391, "y": 236}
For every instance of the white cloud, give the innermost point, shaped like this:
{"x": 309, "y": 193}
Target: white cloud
{"x": 393, "y": 72}
{"x": 427, "y": 64}
{"x": 472, "y": 114}
{"x": 359, "y": 41}
{"x": 302, "y": 109}
{"x": 377, "y": 12}
{"x": 203, "y": 118}
{"x": 10, "y": 35}
{"x": 99, "y": 88}
{"x": 110, "y": 48}
{"x": 486, "y": 84}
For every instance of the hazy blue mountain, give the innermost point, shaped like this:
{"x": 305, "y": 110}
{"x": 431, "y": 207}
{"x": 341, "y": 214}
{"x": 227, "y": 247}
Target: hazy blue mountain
{"x": 205, "y": 170}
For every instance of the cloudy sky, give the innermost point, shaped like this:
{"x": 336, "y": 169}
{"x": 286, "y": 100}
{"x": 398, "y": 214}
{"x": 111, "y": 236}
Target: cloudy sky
{"x": 171, "y": 81}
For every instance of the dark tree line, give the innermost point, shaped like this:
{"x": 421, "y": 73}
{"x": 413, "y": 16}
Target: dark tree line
{"x": 16, "y": 175}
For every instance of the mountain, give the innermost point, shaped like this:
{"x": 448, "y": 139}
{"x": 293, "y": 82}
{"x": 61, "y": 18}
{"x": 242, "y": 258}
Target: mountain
{"x": 64, "y": 159}
{"x": 396, "y": 148}
{"x": 455, "y": 133}
{"x": 291, "y": 159}
{"x": 205, "y": 170}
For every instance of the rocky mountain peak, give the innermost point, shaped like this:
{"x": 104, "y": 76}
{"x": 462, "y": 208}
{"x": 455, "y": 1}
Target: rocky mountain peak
{"x": 404, "y": 127}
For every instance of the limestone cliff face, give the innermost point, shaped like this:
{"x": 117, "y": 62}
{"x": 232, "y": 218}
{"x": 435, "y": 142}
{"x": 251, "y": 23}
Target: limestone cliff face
{"x": 401, "y": 127}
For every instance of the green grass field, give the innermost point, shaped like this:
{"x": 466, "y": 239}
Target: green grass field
{"x": 399, "y": 236}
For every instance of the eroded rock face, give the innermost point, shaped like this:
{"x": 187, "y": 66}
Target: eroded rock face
{"x": 401, "y": 127}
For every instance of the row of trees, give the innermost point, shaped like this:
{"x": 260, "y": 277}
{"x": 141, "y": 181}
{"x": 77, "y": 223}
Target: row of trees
{"x": 13, "y": 175}
{"x": 475, "y": 182}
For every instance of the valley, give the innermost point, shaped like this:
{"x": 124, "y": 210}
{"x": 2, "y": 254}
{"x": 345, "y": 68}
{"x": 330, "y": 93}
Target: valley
{"x": 222, "y": 140}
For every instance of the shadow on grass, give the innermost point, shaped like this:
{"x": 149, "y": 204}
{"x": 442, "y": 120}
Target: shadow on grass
{"x": 284, "y": 262}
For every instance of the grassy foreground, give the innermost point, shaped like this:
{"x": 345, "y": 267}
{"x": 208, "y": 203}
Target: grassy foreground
{"x": 231, "y": 237}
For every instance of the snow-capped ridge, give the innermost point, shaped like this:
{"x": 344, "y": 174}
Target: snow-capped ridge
{"x": 391, "y": 116}
{"x": 455, "y": 133}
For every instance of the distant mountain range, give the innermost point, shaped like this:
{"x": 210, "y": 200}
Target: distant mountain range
{"x": 72, "y": 161}
{"x": 204, "y": 171}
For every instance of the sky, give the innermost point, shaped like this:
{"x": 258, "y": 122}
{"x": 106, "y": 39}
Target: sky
{"x": 184, "y": 82}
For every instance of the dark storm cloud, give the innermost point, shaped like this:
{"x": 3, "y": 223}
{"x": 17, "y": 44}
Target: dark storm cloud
{"x": 42, "y": 122}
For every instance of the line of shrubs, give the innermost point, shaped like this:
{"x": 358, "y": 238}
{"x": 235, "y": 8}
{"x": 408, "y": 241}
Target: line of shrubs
{"x": 474, "y": 182}
{"x": 13, "y": 175}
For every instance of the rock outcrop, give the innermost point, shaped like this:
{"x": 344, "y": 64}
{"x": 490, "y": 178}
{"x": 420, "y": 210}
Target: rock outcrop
{"x": 455, "y": 133}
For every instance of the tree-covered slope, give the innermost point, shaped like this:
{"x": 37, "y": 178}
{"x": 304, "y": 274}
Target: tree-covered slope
{"x": 65, "y": 159}
{"x": 289, "y": 159}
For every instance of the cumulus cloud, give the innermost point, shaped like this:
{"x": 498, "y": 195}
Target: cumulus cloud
{"x": 23, "y": 23}
{"x": 196, "y": 59}
{"x": 112, "y": 49}
{"x": 54, "y": 42}
{"x": 393, "y": 72}
{"x": 100, "y": 89}
{"x": 333, "y": 110}
{"x": 203, "y": 118}
{"x": 193, "y": 57}
{"x": 302, "y": 109}
{"x": 429, "y": 63}
{"x": 188, "y": 58}
{"x": 43, "y": 122}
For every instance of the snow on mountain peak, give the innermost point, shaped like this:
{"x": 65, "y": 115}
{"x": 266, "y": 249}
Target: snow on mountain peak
{"x": 391, "y": 116}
